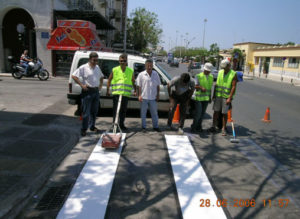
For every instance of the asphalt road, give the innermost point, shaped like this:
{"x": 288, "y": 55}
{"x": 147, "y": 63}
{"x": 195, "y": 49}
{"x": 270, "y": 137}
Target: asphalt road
{"x": 263, "y": 166}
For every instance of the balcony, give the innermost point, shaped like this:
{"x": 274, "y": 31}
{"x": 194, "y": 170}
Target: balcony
{"x": 83, "y": 5}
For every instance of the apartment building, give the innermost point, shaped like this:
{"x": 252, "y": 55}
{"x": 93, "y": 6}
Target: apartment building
{"x": 28, "y": 24}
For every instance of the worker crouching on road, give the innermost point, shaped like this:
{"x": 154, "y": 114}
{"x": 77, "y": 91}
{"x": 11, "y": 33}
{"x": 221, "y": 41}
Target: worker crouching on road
{"x": 180, "y": 89}
{"x": 148, "y": 83}
{"x": 223, "y": 94}
{"x": 122, "y": 81}
{"x": 204, "y": 82}
{"x": 92, "y": 81}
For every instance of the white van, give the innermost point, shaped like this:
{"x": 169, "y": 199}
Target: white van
{"x": 107, "y": 61}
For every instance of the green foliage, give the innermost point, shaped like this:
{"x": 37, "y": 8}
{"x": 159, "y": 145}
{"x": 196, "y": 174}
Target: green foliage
{"x": 162, "y": 53}
{"x": 199, "y": 54}
{"x": 143, "y": 29}
{"x": 237, "y": 54}
{"x": 285, "y": 44}
{"x": 193, "y": 52}
{"x": 290, "y": 43}
{"x": 214, "y": 49}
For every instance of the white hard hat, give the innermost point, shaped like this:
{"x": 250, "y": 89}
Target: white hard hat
{"x": 208, "y": 67}
{"x": 224, "y": 63}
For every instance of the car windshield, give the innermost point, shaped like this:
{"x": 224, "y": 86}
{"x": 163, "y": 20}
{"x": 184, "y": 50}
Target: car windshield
{"x": 164, "y": 71}
{"x": 197, "y": 65}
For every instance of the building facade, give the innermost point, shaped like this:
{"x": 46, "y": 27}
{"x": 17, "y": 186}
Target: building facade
{"x": 28, "y": 24}
{"x": 271, "y": 61}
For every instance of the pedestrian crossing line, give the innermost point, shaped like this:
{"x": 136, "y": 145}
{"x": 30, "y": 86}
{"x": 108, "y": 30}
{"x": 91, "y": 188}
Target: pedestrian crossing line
{"x": 270, "y": 167}
{"x": 90, "y": 194}
{"x": 191, "y": 181}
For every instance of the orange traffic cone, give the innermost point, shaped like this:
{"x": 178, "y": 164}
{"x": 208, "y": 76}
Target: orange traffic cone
{"x": 176, "y": 116}
{"x": 267, "y": 116}
{"x": 229, "y": 114}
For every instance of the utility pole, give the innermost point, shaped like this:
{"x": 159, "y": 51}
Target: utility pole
{"x": 205, "y": 20}
{"x": 124, "y": 23}
{"x": 180, "y": 44}
{"x": 176, "y": 40}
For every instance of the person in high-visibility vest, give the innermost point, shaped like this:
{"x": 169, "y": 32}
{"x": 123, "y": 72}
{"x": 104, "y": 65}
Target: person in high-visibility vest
{"x": 223, "y": 94}
{"x": 204, "y": 83}
{"x": 122, "y": 82}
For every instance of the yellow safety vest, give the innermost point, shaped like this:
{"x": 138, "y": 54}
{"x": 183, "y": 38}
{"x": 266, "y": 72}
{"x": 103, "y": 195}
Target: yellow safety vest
{"x": 224, "y": 84}
{"x": 121, "y": 83}
{"x": 207, "y": 84}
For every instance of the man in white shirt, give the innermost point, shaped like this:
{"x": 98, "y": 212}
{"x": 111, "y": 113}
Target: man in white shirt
{"x": 91, "y": 82}
{"x": 148, "y": 83}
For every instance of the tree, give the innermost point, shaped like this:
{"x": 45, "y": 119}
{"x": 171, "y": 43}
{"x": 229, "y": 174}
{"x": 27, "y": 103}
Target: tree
{"x": 214, "y": 49}
{"x": 143, "y": 29}
{"x": 289, "y": 43}
{"x": 237, "y": 57}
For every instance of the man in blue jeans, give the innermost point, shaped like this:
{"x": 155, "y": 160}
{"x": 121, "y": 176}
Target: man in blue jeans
{"x": 91, "y": 82}
{"x": 148, "y": 83}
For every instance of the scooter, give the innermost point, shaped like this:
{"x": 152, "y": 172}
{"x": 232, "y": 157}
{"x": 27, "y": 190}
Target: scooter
{"x": 34, "y": 68}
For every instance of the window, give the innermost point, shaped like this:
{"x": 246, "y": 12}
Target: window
{"x": 278, "y": 62}
{"x": 138, "y": 68}
{"x": 105, "y": 65}
{"x": 162, "y": 80}
{"x": 293, "y": 63}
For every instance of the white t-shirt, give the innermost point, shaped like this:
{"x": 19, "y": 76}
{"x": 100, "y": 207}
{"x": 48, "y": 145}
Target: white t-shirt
{"x": 89, "y": 76}
{"x": 148, "y": 84}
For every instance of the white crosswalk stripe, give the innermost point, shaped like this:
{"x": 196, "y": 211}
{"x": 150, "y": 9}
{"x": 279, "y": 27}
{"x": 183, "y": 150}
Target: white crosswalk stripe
{"x": 191, "y": 181}
{"x": 90, "y": 194}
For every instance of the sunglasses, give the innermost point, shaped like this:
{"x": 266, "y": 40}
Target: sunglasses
{"x": 95, "y": 60}
{"x": 123, "y": 61}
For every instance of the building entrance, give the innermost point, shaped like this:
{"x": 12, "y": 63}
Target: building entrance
{"x": 18, "y": 34}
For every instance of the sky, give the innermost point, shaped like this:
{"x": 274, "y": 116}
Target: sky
{"x": 228, "y": 21}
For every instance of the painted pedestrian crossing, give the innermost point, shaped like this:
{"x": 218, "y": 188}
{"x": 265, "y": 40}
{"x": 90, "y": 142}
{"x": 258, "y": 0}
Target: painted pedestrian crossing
{"x": 90, "y": 194}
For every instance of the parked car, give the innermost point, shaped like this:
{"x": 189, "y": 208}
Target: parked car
{"x": 159, "y": 59}
{"x": 174, "y": 62}
{"x": 196, "y": 68}
{"x": 107, "y": 61}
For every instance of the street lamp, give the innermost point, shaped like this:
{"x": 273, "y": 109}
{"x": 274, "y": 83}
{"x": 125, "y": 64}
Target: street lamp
{"x": 205, "y": 20}
{"x": 180, "y": 44}
{"x": 176, "y": 38}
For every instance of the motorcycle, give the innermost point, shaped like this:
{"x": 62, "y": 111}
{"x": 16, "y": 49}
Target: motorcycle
{"x": 34, "y": 68}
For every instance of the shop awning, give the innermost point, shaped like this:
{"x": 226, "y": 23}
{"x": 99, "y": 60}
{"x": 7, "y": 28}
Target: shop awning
{"x": 74, "y": 35}
{"x": 92, "y": 16}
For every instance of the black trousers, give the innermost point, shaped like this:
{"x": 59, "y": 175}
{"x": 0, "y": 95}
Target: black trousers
{"x": 182, "y": 100}
{"x": 123, "y": 109}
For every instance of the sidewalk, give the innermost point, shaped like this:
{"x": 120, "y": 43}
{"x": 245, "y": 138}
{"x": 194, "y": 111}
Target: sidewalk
{"x": 31, "y": 147}
{"x": 51, "y": 76}
{"x": 288, "y": 80}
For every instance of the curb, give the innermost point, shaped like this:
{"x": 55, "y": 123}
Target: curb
{"x": 50, "y": 77}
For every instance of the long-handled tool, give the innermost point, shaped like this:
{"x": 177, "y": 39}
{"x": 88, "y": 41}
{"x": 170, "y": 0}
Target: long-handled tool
{"x": 113, "y": 140}
{"x": 234, "y": 139}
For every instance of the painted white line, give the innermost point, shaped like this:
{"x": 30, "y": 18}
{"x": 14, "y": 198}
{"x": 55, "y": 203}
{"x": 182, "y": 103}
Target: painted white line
{"x": 270, "y": 167}
{"x": 90, "y": 194}
{"x": 191, "y": 181}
